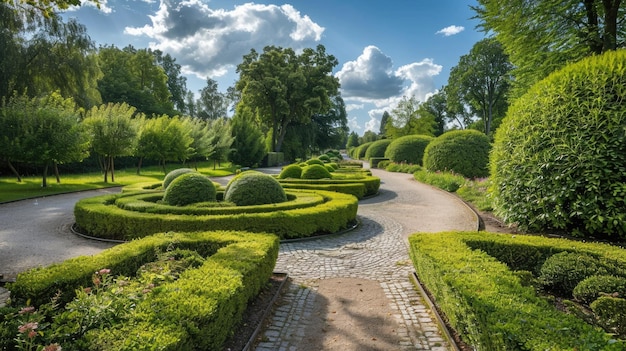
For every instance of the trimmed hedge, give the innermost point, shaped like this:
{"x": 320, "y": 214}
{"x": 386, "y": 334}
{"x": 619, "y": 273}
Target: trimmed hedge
{"x": 377, "y": 149}
{"x": 254, "y": 188}
{"x": 356, "y": 189}
{"x": 175, "y": 174}
{"x": 371, "y": 183}
{"x": 408, "y": 149}
{"x": 374, "y": 161}
{"x": 100, "y": 217}
{"x": 559, "y": 156}
{"x": 470, "y": 278}
{"x": 291, "y": 171}
{"x": 315, "y": 171}
{"x": 361, "y": 150}
{"x": 189, "y": 188}
{"x": 465, "y": 152}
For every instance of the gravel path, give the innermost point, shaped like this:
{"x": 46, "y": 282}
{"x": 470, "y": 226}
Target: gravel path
{"x": 350, "y": 291}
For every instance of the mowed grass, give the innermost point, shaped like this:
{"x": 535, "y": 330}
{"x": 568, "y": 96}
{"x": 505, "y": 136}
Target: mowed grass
{"x": 30, "y": 187}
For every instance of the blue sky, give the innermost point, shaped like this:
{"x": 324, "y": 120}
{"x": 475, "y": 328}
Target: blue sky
{"x": 386, "y": 49}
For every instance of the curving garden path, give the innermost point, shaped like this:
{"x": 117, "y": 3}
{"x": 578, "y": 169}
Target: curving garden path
{"x": 348, "y": 292}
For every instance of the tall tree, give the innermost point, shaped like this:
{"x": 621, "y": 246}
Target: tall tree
{"x": 221, "y": 140}
{"x": 133, "y": 76}
{"x": 212, "y": 104}
{"x": 331, "y": 128}
{"x": 368, "y": 136}
{"x": 113, "y": 133}
{"x": 164, "y": 139}
{"x": 46, "y": 8}
{"x": 383, "y": 123}
{"x": 287, "y": 88}
{"x": 406, "y": 119}
{"x": 482, "y": 78}
{"x": 248, "y": 148}
{"x": 176, "y": 82}
{"x": 542, "y": 36}
{"x": 353, "y": 140}
{"x": 436, "y": 106}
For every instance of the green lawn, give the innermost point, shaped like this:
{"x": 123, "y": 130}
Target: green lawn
{"x": 30, "y": 187}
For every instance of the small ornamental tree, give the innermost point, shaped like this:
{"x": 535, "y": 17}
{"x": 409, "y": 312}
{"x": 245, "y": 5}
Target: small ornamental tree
{"x": 408, "y": 149}
{"x": 465, "y": 152}
{"x": 559, "y": 159}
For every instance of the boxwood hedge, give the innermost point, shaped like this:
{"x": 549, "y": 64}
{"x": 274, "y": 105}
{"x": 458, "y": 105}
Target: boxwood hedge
{"x": 470, "y": 277}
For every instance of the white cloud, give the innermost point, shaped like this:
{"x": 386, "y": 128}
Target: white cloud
{"x": 350, "y": 107}
{"x": 370, "y": 76}
{"x": 451, "y": 30}
{"x": 210, "y": 42}
{"x": 372, "y": 125}
{"x": 353, "y": 124}
{"x": 102, "y": 5}
{"x": 420, "y": 74}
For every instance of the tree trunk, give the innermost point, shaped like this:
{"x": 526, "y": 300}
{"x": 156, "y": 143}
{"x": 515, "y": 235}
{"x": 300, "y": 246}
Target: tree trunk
{"x": 44, "y": 180}
{"x": 56, "y": 173}
{"x": 163, "y": 166}
{"x": 611, "y": 11}
{"x": 139, "y": 165}
{"x": 112, "y": 169}
{"x": 106, "y": 168}
{"x": 15, "y": 172}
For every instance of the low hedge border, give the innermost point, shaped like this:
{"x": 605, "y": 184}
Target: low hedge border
{"x": 99, "y": 217}
{"x": 486, "y": 302}
{"x": 356, "y": 189}
{"x": 372, "y": 184}
{"x": 143, "y": 202}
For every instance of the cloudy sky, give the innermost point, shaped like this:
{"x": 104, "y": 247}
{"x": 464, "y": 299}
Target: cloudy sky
{"x": 386, "y": 49}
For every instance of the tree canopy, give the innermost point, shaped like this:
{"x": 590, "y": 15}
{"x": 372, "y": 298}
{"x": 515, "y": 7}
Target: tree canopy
{"x": 287, "y": 88}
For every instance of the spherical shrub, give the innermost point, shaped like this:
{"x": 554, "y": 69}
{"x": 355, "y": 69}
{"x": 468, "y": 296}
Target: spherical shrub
{"x": 362, "y": 149}
{"x": 175, "y": 174}
{"x": 559, "y": 155}
{"x": 189, "y": 188}
{"x": 314, "y": 161}
{"x": 611, "y": 314}
{"x": 329, "y": 168}
{"x": 377, "y": 149}
{"x": 408, "y": 149}
{"x": 291, "y": 171}
{"x": 563, "y": 271}
{"x": 593, "y": 287}
{"x": 254, "y": 188}
{"x": 465, "y": 152}
{"x": 324, "y": 158}
{"x": 315, "y": 172}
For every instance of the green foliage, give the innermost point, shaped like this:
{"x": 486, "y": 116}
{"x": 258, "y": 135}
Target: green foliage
{"x": 357, "y": 185}
{"x": 465, "y": 152}
{"x": 175, "y": 174}
{"x": 315, "y": 171}
{"x": 375, "y": 161}
{"x": 101, "y": 217}
{"x": 443, "y": 180}
{"x": 329, "y": 168}
{"x": 254, "y": 188}
{"x": 595, "y": 286}
{"x": 558, "y": 162}
{"x": 408, "y": 117}
{"x": 189, "y": 188}
{"x": 248, "y": 148}
{"x": 291, "y": 171}
{"x": 408, "y": 149}
{"x": 164, "y": 139}
{"x": 563, "y": 271}
{"x": 275, "y": 159}
{"x": 486, "y": 303}
{"x": 314, "y": 161}
{"x": 611, "y": 313}
{"x": 361, "y": 150}
{"x": 475, "y": 192}
{"x": 377, "y": 149}
{"x": 324, "y": 158}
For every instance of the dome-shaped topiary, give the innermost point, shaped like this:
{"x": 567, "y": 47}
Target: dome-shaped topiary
{"x": 408, "y": 149}
{"x": 315, "y": 172}
{"x": 559, "y": 155}
{"x": 291, "y": 171}
{"x": 314, "y": 161}
{"x": 465, "y": 152}
{"x": 377, "y": 149}
{"x": 254, "y": 188}
{"x": 324, "y": 158}
{"x": 362, "y": 149}
{"x": 175, "y": 174}
{"x": 189, "y": 188}
{"x": 329, "y": 168}
{"x": 595, "y": 286}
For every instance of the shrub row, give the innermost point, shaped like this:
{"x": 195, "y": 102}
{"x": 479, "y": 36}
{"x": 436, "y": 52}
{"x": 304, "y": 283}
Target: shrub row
{"x": 468, "y": 276}
{"x": 100, "y": 217}
{"x": 356, "y": 189}
{"x": 371, "y": 184}
{"x": 443, "y": 180}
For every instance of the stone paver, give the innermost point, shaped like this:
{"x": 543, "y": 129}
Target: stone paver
{"x": 375, "y": 251}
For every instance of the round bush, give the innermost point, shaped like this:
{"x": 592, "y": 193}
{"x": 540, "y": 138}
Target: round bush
{"x": 465, "y": 152}
{"x": 314, "y": 161}
{"x": 315, "y": 172}
{"x": 175, "y": 174}
{"x": 559, "y": 155}
{"x": 563, "y": 271}
{"x": 329, "y": 168}
{"x": 254, "y": 188}
{"x": 291, "y": 171}
{"x": 324, "y": 158}
{"x": 408, "y": 149}
{"x": 377, "y": 149}
{"x": 593, "y": 287}
{"x": 362, "y": 149}
{"x": 189, "y": 188}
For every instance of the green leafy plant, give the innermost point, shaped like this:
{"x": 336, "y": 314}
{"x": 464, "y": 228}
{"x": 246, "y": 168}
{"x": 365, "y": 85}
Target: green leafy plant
{"x": 290, "y": 171}
{"x": 314, "y": 161}
{"x": 189, "y": 188}
{"x": 595, "y": 286}
{"x": 377, "y": 149}
{"x": 254, "y": 188}
{"x": 558, "y": 162}
{"x": 611, "y": 313}
{"x": 443, "y": 180}
{"x": 464, "y": 152}
{"x": 315, "y": 171}
{"x": 408, "y": 149}
{"x": 563, "y": 271}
